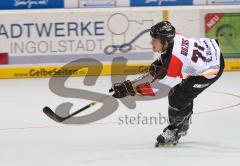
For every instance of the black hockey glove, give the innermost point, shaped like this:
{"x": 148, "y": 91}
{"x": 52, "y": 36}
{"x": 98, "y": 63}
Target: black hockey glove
{"x": 157, "y": 70}
{"x": 122, "y": 89}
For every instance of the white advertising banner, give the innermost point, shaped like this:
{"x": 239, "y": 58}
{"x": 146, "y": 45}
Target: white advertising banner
{"x": 74, "y": 32}
{"x": 96, "y": 3}
{"x": 223, "y": 2}
{"x": 216, "y": 2}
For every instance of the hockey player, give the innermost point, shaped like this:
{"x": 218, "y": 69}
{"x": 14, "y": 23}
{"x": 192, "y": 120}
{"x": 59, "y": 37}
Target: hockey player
{"x": 198, "y": 62}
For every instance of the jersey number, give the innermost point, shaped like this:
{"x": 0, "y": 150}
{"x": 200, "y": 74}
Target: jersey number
{"x": 197, "y": 53}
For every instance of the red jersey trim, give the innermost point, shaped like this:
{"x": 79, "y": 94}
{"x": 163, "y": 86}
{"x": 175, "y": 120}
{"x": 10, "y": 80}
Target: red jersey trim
{"x": 175, "y": 67}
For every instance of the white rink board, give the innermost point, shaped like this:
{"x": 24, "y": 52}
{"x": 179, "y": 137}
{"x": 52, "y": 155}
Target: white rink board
{"x": 89, "y": 31}
{"x": 45, "y": 38}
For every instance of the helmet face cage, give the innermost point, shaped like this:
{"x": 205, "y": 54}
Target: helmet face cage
{"x": 163, "y": 31}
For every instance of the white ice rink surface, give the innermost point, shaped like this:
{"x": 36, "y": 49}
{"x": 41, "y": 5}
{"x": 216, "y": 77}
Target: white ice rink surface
{"x": 30, "y": 138}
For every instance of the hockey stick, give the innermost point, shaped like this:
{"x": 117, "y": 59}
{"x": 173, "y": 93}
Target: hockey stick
{"x": 49, "y": 112}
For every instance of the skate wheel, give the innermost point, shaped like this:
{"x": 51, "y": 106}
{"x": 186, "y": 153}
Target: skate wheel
{"x": 157, "y": 144}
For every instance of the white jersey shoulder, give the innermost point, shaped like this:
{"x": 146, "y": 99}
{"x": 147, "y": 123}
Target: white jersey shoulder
{"x": 198, "y": 57}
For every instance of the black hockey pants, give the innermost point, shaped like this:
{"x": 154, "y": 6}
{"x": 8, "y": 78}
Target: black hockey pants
{"x": 182, "y": 95}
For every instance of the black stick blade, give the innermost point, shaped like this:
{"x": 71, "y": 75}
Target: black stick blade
{"x": 48, "y": 111}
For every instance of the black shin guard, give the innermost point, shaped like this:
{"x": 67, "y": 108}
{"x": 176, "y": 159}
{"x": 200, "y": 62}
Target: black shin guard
{"x": 179, "y": 118}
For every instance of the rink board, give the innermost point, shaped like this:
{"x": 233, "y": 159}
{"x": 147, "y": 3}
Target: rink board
{"x": 33, "y": 54}
{"x": 107, "y": 69}
{"x": 49, "y": 71}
